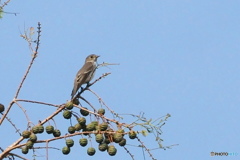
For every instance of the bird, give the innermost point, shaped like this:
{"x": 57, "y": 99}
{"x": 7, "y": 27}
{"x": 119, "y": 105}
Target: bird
{"x": 86, "y": 73}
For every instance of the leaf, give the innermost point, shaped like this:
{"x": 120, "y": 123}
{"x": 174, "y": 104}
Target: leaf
{"x": 144, "y": 133}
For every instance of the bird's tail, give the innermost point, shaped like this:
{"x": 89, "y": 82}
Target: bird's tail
{"x": 73, "y": 92}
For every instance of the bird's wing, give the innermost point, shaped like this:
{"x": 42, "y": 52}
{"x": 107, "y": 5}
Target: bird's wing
{"x": 82, "y": 75}
{"x": 85, "y": 72}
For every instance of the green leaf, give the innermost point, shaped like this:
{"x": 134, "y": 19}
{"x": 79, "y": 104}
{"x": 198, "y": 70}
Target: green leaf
{"x": 144, "y": 133}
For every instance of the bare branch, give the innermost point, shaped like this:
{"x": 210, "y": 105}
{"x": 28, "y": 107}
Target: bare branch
{"x": 5, "y": 3}
{"x": 30, "y": 101}
{"x": 9, "y": 120}
{"x": 25, "y": 75}
{"x": 24, "y": 111}
{"x": 32, "y": 60}
{"x": 148, "y": 151}
{"x": 102, "y": 102}
{"x": 132, "y": 156}
{"x": 16, "y": 155}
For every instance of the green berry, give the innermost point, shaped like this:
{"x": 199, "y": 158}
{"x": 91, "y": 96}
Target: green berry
{"x": 101, "y": 111}
{"x": 25, "y": 149}
{"x": 33, "y": 137}
{"x": 26, "y": 134}
{"x": 91, "y": 151}
{"x": 35, "y": 129}
{"x": 122, "y": 142}
{"x": 81, "y": 120}
{"x": 102, "y": 147}
{"x": 29, "y": 144}
{"x": 71, "y": 129}
{"x": 99, "y": 138}
{"x": 49, "y": 129}
{"x": 90, "y": 127}
{"x": 103, "y": 126}
{"x": 66, "y": 150}
{"x": 84, "y": 112}
{"x": 67, "y": 114}
{"x": 83, "y": 142}
{"x": 69, "y": 142}
{"x": 95, "y": 123}
{"x": 117, "y": 137}
{"x": 77, "y": 127}
{"x": 40, "y": 129}
{"x": 132, "y": 135}
{"x": 69, "y": 105}
{"x": 112, "y": 150}
{"x": 56, "y": 133}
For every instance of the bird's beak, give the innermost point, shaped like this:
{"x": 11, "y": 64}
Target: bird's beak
{"x": 97, "y": 56}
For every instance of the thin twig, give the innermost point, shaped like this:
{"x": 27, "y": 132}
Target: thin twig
{"x": 16, "y": 155}
{"x": 148, "y": 151}
{"x": 132, "y": 156}
{"x": 30, "y": 101}
{"x": 46, "y": 147}
{"x": 88, "y": 103}
{"x": 26, "y": 74}
{"x": 5, "y": 3}
{"x": 5, "y": 114}
{"x": 101, "y": 101}
{"x": 11, "y": 13}
{"x": 9, "y": 120}
{"x": 24, "y": 111}
{"x": 32, "y": 60}
{"x": 103, "y": 117}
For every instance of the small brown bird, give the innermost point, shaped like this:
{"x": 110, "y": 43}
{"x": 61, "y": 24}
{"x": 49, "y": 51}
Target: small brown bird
{"x": 86, "y": 73}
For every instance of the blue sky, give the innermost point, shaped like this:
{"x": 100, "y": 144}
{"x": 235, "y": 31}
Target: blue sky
{"x": 176, "y": 57}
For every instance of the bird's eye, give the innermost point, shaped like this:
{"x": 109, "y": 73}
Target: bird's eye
{"x": 91, "y": 56}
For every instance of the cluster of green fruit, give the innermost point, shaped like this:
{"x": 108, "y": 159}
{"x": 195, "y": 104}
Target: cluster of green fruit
{"x": 81, "y": 121}
{"x": 90, "y": 151}
{"x": 104, "y": 141}
{"x": 32, "y": 137}
{"x": 104, "y": 135}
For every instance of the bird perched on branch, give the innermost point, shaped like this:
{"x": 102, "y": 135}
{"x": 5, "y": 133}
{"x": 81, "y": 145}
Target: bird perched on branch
{"x": 86, "y": 73}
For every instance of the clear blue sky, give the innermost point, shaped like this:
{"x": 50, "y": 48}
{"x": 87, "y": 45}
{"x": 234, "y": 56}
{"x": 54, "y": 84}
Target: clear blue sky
{"x": 176, "y": 57}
